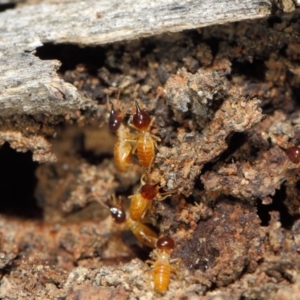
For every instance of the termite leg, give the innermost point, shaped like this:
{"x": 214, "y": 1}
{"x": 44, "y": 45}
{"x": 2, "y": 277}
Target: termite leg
{"x": 92, "y": 196}
{"x": 156, "y": 139}
{"x": 174, "y": 267}
{"x": 149, "y": 261}
{"x": 132, "y": 126}
{"x": 165, "y": 195}
{"x": 151, "y": 122}
{"x": 134, "y": 149}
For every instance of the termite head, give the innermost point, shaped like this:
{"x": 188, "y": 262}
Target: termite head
{"x": 293, "y": 154}
{"x": 118, "y": 214}
{"x": 117, "y": 211}
{"x": 165, "y": 243}
{"x": 149, "y": 191}
{"x": 115, "y": 120}
{"x": 141, "y": 119}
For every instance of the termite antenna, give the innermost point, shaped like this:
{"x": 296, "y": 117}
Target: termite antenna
{"x": 112, "y": 107}
{"x": 92, "y": 197}
{"x": 138, "y": 109}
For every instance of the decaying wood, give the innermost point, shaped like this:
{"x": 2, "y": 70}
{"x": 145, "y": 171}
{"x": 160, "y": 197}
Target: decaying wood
{"x": 227, "y": 109}
{"x": 30, "y": 86}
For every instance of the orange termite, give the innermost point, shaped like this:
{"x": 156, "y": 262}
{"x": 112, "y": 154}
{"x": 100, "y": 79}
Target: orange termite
{"x": 144, "y": 234}
{"x": 141, "y": 202}
{"x": 123, "y": 147}
{"x": 146, "y": 142}
{"x": 162, "y": 268}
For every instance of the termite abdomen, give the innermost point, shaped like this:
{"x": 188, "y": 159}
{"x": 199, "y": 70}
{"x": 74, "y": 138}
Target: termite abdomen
{"x": 144, "y": 234}
{"x": 161, "y": 275}
{"x": 122, "y": 155}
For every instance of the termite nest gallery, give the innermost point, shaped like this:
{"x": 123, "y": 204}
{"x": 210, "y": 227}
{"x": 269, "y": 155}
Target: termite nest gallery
{"x": 187, "y": 157}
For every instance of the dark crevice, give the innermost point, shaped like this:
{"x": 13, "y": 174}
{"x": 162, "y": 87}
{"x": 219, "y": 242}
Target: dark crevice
{"x": 4, "y": 7}
{"x": 17, "y": 184}
{"x": 263, "y": 211}
{"x": 268, "y": 108}
{"x": 273, "y": 20}
{"x": 213, "y": 44}
{"x": 252, "y": 70}
{"x": 198, "y": 186}
{"x": 234, "y": 141}
{"x": 130, "y": 240}
{"x": 71, "y": 55}
{"x": 296, "y": 96}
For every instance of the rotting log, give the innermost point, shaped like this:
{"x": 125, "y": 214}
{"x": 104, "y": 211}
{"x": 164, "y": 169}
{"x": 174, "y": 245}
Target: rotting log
{"x": 220, "y": 240}
{"x": 31, "y": 86}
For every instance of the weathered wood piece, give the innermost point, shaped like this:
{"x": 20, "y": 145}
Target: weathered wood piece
{"x": 30, "y": 86}
{"x": 99, "y": 22}
{"x": 5, "y": 2}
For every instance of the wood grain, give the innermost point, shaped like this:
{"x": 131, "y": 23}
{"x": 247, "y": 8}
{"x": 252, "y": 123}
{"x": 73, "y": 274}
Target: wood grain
{"x": 30, "y": 86}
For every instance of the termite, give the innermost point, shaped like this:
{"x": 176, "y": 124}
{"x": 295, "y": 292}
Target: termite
{"x": 146, "y": 142}
{"x": 162, "y": 267}
{"x": 144, "y": 234}
{"x": 142, "y": 201}
{"x": 123, "y": 147}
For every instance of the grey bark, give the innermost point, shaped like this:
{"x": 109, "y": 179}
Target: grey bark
{"x": 29, "y": 85}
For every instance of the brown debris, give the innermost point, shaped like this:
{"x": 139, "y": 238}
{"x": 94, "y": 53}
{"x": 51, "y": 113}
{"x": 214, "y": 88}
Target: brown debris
{"x": 41, "y": 149}
{"x": 44, "y": 265}
{"x": 296, "y": 235}
{"x": 276, "y": 129}
{"x": 276, "y": 234}
{"x": 222, "y": 247}
{"x": 179, "y": 165}
{"x": 92, "y": 183}
{"x": 30, "y": 133}
{"x": 89, "y": 292}
{"x": 251, "y": 181}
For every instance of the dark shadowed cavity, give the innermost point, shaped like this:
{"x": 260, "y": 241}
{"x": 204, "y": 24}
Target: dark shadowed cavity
{"x": 17, "y": 184}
